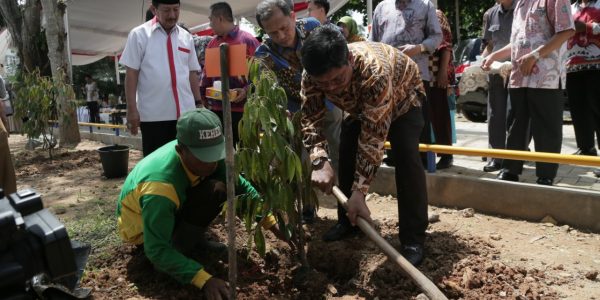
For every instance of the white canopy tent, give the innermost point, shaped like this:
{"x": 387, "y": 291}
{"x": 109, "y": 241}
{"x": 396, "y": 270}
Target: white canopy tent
{"x": 99, "y": 28}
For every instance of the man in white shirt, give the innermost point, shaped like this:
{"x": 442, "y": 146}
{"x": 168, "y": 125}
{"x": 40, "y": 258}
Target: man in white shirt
{"x": 91, "y": 92}
{"x": 161, "y": 82}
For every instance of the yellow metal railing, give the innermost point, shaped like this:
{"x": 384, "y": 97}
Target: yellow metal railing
{"x": 496, "y": 153}
{"x": 102, "y": 125}
{"x": 512, "y": 154}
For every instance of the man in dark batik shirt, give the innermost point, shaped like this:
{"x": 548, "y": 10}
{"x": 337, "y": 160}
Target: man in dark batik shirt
{"x": 381, "y": 90}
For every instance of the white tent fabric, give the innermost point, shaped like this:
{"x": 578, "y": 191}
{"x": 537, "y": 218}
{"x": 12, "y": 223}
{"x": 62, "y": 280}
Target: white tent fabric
{"x": 99, "y": 28}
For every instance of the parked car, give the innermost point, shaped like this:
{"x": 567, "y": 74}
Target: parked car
{"x": 473, "y": 104}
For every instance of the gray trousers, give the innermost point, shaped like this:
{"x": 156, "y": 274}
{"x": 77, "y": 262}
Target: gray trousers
{"x": 540, "y": 110}
{"x": 497, "y": 112}
{"x": 332, "y": 124}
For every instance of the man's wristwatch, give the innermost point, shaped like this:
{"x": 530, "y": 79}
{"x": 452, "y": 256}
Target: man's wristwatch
{"x": 536, "y": 54}
{"x": 423, "y": 48}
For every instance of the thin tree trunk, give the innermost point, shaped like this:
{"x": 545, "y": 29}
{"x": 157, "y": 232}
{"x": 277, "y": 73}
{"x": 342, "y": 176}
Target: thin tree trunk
{"x": 23, "y": 23}
{"x": 54, "y": 12}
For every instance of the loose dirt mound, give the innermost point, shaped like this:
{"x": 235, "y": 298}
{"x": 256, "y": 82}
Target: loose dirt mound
{"x": 32, "y": 164}
{"x": 466, "y": 256}
{"x": 462, "y": 268}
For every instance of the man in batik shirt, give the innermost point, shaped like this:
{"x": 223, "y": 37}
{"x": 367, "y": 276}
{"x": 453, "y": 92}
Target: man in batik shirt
{"x": 381, "y": 90}
{"x": 537, "y": 49}
{"x": 281, "y": 54}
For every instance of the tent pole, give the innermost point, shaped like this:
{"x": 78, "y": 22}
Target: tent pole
{"x": 369, "y": 12}
{"x": 68, "y": 41}
{"x": 117, "y": 69}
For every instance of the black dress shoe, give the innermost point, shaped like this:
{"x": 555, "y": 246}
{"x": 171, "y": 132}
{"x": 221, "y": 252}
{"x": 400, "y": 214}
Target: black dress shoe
{"x": 491, "y": 166}
{"x": 504, "y": 175}
{"x": 596, "y": 172}
{"x": 309, "y": 214}
{"x": 590, "y": 152}
{"x": 339, "y": 232}
{"x": 544, "y": 181}
{"x": 445, "y": 162}
{"x": 413, "y": 253}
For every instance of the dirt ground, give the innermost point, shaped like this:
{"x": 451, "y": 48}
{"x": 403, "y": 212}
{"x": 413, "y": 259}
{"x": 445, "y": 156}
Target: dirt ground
{"x": 469, "y": 255}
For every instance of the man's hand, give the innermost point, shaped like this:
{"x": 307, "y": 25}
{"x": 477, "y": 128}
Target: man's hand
{"x": 241, "y": 95}
{"x": 487, "y": 62}
{"x": 356, "y": 206}
{"x": 216, "y": 289}
{"x": 410, "y": 50}
{"x": 526, "y": 64}
{"x": 133, "y": 120}
{"x": 442, "y": 78}
{"x": 324, "y": 177}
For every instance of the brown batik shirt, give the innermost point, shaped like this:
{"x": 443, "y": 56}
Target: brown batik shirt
{"x": 385, "y": 85}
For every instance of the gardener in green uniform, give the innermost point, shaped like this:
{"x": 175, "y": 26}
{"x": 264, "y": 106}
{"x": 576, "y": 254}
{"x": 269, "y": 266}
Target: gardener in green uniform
{"x": 172, "y": 195}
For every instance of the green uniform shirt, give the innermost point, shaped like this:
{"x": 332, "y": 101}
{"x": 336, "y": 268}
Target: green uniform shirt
{"x": 151, "y": 196}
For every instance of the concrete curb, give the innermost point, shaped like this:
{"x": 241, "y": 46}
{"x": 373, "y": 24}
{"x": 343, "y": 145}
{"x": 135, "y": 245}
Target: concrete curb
{"x": 111, "y": 139}
{"x": 577, "y": 208}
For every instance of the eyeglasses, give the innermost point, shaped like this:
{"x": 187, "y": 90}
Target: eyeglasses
{"x": 331, "y": 83}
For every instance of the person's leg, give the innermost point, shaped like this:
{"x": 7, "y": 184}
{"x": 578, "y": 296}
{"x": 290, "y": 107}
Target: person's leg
{"x": 203, "y": 204}
{"x": 497, "y": 118}
{"x": 8, "y": 181}
{"x": 235, "y": 119}
{"x": 581, "y": 112}
{"x": 91, "y": 116}
{"x": 349, "y": 142}
{"x": 593, "y": 97}
{"x": 332, "y": 124}
{"x": 156, "y": 134}
{"x": 333, "y": 128}
{"x": 425, "y": 137}
{"x": 546, "y": 111}
{"x": 518, "y": 133}
{"x": 440, "y": 121}
{"x": 95, "y": 111}
{"x": 411, "y": 184}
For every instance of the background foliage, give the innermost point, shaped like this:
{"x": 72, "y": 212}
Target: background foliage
{"x": 37, "y": 105}
{"x": 470, "y": 14}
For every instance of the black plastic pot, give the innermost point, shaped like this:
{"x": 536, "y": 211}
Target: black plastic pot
{"x": 115, "y": 160}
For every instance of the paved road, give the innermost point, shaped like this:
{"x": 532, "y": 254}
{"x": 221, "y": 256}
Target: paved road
{"x": 471, "y": 134}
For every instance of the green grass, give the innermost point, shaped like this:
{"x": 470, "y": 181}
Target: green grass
{"x": 95, "y": 223}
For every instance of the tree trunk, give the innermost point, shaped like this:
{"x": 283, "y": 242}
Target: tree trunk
{"x": 53, "y": 12}
{"x": 23, "y": 23}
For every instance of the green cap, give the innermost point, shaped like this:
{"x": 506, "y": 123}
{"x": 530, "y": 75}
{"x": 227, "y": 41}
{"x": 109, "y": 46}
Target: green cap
{"x": 201, "y": 131}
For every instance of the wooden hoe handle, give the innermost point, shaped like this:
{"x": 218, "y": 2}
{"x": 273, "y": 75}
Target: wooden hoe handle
{"x": 430, "y": 289}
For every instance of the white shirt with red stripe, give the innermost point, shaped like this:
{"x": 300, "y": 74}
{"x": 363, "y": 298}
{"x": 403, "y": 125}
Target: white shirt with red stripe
{"x": 163, "y": 90}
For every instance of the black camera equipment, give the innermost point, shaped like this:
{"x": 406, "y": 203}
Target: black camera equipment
{"x": 37, "y": 258}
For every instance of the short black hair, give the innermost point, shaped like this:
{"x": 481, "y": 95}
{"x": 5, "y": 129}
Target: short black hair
{"x": 149, "y": 15}
{"x": 322, "y": 3}
{"x": 266, "y": 9}
{"x": 155, "y": 3}
{"x": 324, "y": 49}
{"x": 222, "y": 9}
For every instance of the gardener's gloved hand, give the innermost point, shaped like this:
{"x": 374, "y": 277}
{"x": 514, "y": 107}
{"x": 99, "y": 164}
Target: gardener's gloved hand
{"x": 216, "y": 289}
